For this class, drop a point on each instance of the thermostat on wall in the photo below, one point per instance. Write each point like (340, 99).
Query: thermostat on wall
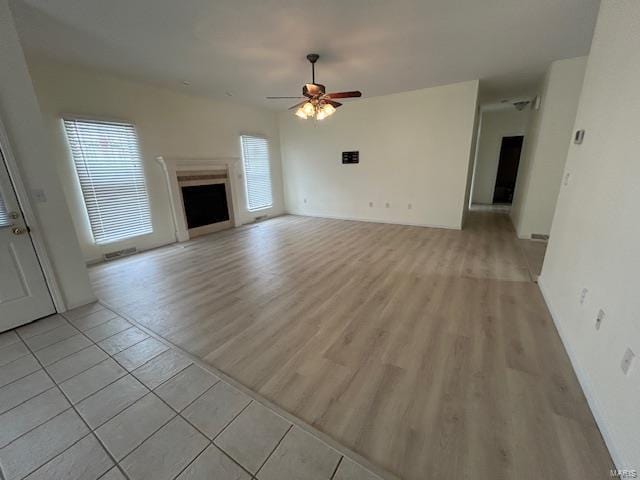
(351, 157)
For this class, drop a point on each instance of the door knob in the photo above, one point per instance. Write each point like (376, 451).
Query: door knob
(19, 230)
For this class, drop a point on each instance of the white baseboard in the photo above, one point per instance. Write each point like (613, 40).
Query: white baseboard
(372, 220)
(585, 382)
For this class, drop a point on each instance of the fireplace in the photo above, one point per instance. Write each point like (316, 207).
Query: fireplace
(205, 205)
(204, 201)
(202, 196)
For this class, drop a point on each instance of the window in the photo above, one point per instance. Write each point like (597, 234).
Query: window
(5, 221)
(111, 177)
(257, 172)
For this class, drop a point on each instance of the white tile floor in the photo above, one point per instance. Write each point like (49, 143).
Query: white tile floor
(92, 396)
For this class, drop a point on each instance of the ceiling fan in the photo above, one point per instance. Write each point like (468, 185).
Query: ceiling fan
(316, 102)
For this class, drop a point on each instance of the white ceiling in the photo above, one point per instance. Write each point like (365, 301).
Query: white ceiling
(255, 48)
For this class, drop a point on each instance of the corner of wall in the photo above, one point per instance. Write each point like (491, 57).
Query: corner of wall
(25, 128)
(583, 377)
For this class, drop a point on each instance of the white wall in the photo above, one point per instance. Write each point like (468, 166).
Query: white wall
(594, 238)
(414, 149)
(168, 123)
(545, 148)
(495, 125)
(23, 122)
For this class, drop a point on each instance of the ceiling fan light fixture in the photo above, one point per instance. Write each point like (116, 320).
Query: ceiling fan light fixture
(328, 109)
(324, 111)
(309, 109)
(318, 104)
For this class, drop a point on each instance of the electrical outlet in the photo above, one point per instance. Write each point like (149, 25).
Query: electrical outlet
(387, 205)
(583, 295)
(371, 204)
(409, 207)
(566, 179)
(627, 358)
(305, 200)
(599, 319)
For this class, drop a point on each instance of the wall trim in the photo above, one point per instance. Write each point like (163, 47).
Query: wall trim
(585, 382)
(370, 220)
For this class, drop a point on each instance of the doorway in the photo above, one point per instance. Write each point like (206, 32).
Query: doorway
(24, 295)
(508, 162)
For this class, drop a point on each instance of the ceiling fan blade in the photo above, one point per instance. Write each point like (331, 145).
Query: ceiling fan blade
(274, 98)
(312, 89)
(353, 94)
(297, 105)
(331, 102)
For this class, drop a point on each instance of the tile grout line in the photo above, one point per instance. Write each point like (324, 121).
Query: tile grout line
(24, 376)
(25, 401)
(34, 322)
(109, 336)
(119, 412)
(82, 371)
(15, 359)
(101, 388)
(174, 376)
(272, 451)
(71, 320)
(38, 425)
(173, 417)
(193, 459)
(335, 470)
(159, 385)
(64, 314)
(195, 399)
(232, 420)
(210, 441)
(120, 351)
(54, 343)
(81, 418)
(130, 371)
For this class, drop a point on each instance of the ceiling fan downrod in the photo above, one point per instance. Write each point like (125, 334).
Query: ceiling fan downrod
(313, 58)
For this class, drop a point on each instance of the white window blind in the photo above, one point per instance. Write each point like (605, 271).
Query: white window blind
(5, 221)
(111, 177)
(257, 172)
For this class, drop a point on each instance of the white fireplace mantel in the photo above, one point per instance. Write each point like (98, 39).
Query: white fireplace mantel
(172, 166)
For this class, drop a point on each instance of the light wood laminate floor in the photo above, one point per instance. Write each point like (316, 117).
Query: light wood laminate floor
(428, 351)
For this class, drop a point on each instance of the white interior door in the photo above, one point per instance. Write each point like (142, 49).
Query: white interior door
(24, 295)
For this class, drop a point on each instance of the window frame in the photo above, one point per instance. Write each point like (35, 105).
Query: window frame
(143, 176)
(244, 170)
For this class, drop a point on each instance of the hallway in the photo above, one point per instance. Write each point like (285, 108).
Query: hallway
(428, 351)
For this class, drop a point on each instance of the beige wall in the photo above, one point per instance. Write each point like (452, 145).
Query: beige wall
(595, 232)
(495, 124)
(169, 123)
(23, 122)
(545, 148)
(414, 149)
